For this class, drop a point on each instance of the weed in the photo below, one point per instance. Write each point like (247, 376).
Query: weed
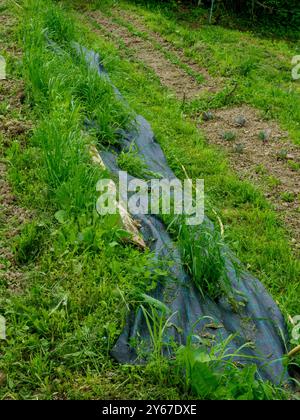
(58, 26)
(261, 169)
(295, 166)
(282, 154)
(240, 121)
(158, 321)
(131, 162)
(239, 148)
(288, 197)
(4, 107)
(207, 116)
(228, 136)
(264, 135)
(273, 182)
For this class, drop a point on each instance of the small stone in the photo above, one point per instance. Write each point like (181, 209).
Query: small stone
(240, 121)
(239, 148)
(208, 116)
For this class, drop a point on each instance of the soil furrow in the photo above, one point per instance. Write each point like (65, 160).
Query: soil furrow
(171, 76)
(212, 84)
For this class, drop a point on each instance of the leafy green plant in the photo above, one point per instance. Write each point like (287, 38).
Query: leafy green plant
(261, 169)
(228, 136)
(288, 196)
(295, 166)
(264, 135)
(273, 181)
(282, 154)
(214, 373)
(158, 320)
(131, 162)
(239, 148)
(28, 243)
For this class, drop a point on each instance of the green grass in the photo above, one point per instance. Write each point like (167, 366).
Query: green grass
(281, 24)
(80, 278)
(203, 254)
(132, 163)
(251, 226)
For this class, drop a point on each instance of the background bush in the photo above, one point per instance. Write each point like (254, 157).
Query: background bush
(282, 16)
(282, 12)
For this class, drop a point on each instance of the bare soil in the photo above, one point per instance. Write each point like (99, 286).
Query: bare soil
(171, 76)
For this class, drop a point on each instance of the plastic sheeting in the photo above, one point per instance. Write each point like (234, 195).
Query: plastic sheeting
(258, 321)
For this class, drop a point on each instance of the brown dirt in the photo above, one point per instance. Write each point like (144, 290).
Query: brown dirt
(170, 75)
(210, 83)
(271, 164)
(12, 91)
(13, 127)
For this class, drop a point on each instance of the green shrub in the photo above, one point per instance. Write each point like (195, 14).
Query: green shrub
(283, 15)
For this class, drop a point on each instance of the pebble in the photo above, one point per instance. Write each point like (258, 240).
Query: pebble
(240, 121)
(208, 116)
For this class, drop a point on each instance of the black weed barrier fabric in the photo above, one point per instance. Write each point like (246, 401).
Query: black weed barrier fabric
(258, 321)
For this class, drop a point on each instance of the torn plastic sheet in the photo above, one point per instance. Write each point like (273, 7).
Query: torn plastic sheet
(258, 319)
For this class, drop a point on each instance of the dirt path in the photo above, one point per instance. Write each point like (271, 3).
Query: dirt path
(172, 76)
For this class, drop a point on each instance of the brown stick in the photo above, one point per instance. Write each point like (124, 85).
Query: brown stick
(295, 351)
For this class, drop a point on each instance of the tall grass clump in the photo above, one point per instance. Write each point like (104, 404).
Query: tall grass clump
(52, 18)
(67, 93)
(216, 374)
(204, 255)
